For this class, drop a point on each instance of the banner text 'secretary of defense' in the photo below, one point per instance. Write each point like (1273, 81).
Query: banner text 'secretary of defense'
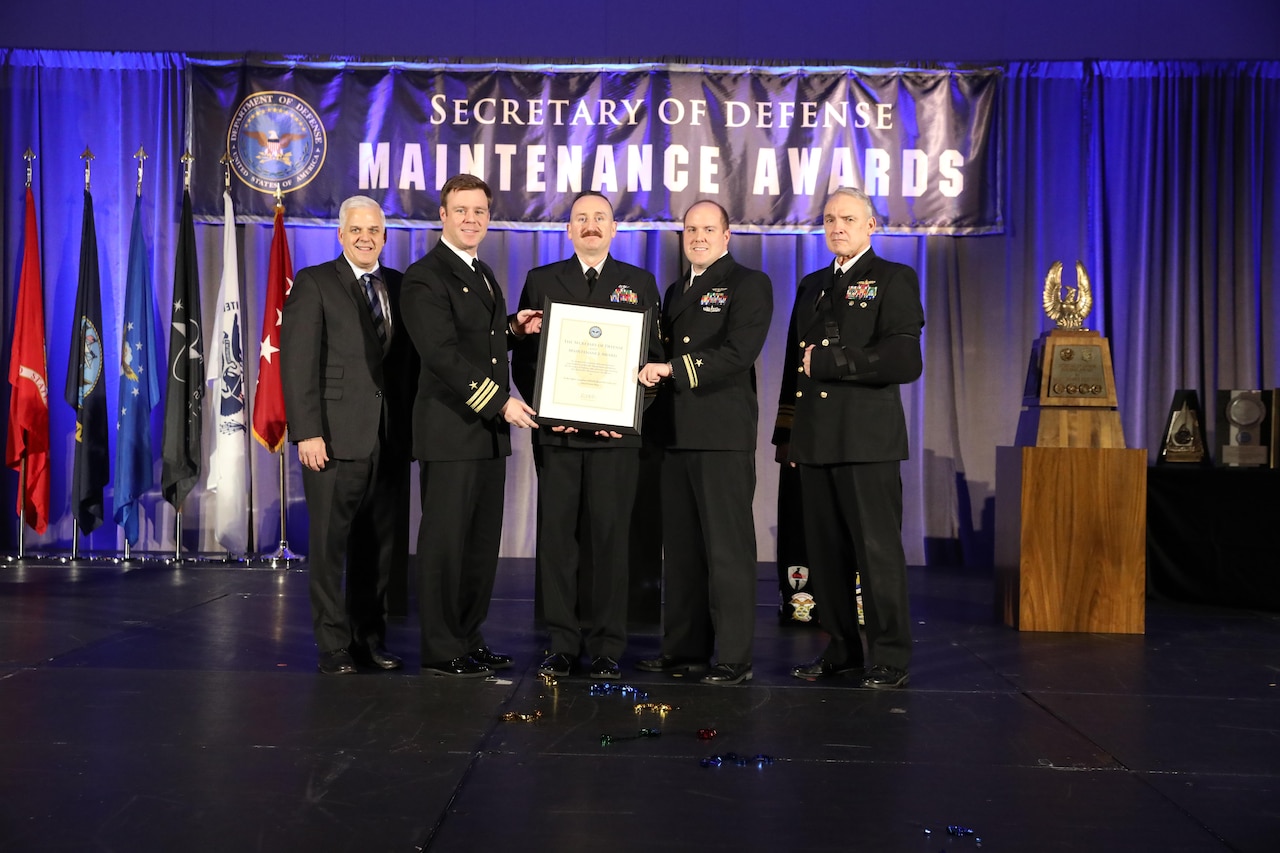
(769, 145)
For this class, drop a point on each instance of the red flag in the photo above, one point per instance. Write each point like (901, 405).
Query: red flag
(268, 396)
(28, 374)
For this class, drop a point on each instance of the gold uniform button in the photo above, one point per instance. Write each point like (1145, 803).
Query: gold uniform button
(494, 360)
(466, 290)
(826, 342)
(800, 369)
(802, 345)
(685, 339)
(799, 393)
(823, 395)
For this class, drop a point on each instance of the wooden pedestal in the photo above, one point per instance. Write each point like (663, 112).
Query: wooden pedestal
(1071, 539)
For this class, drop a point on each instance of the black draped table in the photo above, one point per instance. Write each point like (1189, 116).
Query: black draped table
(1213, 535)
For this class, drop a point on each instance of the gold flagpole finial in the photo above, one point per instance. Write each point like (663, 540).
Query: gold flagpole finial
(279, 194)
(141, 157)
(226, 172)
(88, 159)
(187, 160)
(29, 156)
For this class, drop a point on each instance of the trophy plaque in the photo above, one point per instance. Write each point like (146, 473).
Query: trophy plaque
(1070, 396)
(1183, 432)
(1070, 497)
(1244, 426)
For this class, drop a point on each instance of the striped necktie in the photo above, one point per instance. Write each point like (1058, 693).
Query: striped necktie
(375, 308)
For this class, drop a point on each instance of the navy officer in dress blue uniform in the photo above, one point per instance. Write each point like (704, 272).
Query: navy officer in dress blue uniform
(714, 321)
(587, 477)
(854, 338)
(456, 314)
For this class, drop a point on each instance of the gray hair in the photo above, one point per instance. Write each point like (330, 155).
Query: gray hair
(357, 201)
(855, 193)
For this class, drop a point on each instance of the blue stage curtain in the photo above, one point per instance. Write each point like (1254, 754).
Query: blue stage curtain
(1160, 177)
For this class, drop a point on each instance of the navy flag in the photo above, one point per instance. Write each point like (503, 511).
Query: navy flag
(184, 386)
(85, 390)
(139, 387)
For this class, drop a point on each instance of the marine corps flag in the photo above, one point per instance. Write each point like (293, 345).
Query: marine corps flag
(184, 386)
(28, 371)
(139, 387)
(268, 396)
(85, 391)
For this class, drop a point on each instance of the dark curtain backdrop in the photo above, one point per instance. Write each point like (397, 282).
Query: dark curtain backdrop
(1160, 177)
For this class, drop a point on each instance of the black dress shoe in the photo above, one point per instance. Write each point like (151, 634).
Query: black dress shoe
(557, 665)
(882, 677)
(383, 659)
(375, 654)
(463, 667)
(726, 674)
(605, 667)
(674, 666)
(819, 668)
(337, 663)
(490, 658)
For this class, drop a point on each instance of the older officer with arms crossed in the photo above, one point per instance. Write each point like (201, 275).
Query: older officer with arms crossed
(854, 337)
(343, 353)
(715, 321)
(456, 313)
(591, 473)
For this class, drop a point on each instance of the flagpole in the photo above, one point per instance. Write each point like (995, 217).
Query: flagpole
(22, 471)
(283, 555)
(22, 521)
(177, 511)
(88, 159)
(141, 157)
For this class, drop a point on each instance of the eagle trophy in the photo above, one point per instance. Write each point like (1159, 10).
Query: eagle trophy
(1068, 310)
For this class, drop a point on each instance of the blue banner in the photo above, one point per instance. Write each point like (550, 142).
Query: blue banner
(768, 144)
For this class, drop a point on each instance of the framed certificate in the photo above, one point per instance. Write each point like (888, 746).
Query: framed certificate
(588, 360)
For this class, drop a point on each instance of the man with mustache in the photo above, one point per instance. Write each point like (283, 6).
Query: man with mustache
(592, 476)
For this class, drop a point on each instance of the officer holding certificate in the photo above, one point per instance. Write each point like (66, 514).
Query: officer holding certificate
(587, 475)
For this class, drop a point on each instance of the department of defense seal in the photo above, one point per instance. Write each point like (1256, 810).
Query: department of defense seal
(276, 140)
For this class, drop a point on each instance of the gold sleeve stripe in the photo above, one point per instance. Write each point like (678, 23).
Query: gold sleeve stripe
(483, 395)
(786, 415)
(693, 374)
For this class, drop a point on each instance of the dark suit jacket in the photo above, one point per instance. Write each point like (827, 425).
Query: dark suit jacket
(866, 334)
(335, 377)
(563, 282)
(713, 334)
(462, 336)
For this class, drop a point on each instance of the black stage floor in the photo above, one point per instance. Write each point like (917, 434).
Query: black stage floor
(162, 709)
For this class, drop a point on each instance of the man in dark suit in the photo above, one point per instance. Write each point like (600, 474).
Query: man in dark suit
(585, 475)
(715, 322)
(344, 363)
(456, 313)
(854, 338)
